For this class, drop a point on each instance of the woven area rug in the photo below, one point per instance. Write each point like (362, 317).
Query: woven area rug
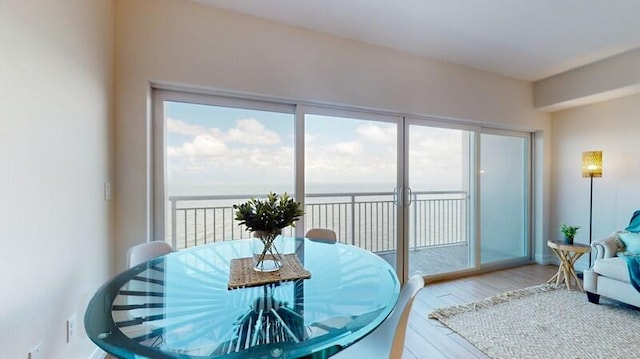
(546, 322)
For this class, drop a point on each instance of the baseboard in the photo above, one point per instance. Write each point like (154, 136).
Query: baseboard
(546, 259)
(98, 354)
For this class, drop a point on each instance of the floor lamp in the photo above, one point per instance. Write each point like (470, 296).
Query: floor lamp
(591, 167)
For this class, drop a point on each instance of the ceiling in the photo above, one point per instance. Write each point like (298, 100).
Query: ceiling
(524, 39)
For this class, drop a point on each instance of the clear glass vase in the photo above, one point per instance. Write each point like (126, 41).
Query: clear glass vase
(267, 251)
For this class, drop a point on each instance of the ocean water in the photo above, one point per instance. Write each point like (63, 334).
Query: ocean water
(264, 188)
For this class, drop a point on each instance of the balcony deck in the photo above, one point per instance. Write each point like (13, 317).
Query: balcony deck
(434, 260)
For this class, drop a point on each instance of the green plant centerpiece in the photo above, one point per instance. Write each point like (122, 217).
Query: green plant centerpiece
(569, 232)
(266, 219)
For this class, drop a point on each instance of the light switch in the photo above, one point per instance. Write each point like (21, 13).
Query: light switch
(107, 191)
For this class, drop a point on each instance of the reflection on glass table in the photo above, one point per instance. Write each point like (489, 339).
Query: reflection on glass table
(178, 305)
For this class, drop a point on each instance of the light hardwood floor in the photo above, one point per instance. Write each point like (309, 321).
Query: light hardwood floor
(427, 338)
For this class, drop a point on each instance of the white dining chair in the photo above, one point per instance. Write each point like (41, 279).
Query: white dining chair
(146, 251)
(322, 234)
(387, 340)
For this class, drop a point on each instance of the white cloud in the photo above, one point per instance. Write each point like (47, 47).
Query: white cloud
(240, 154)
(251, 131)
(347, 148)
(377, 134)
(181, 127)
(214, 142)
(240, 165)
(281, 158)
(366, 154)
(310, 138)
(204, 145)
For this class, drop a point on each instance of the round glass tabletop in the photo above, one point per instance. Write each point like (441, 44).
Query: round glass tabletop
(178, 305)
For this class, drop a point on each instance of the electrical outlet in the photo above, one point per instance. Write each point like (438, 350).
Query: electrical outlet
(72, 326)
(36, 352)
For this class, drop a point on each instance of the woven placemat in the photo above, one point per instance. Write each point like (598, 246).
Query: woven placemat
(243, 275)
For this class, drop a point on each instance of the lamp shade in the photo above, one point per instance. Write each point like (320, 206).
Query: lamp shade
(592, 164)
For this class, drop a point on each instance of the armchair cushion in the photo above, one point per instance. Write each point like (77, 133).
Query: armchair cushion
(614, 267)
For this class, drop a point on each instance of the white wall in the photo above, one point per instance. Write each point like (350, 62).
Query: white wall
(603, 80)
(613, 127)
(178, 42)
(56, 70)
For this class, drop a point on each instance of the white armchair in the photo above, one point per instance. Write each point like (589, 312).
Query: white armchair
(609, 275)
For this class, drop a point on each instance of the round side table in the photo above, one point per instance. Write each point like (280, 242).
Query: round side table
(568, 255)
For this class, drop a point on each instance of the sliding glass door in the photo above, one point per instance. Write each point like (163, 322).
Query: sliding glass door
(431, 197)
(351, 178)
(439, 164)
(504, 196)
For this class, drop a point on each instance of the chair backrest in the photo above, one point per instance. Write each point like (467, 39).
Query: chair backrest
(146, 251)
(397, 320)
(322, 234)
(387, 340)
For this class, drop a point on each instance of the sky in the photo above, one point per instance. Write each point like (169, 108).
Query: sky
(231, 150)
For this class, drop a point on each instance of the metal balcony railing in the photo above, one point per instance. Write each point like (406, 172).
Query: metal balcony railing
(366, 219)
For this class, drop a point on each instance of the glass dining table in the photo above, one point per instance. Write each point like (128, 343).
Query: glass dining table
(179, 305)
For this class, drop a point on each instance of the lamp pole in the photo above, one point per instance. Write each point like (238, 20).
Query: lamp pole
(590, 214)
